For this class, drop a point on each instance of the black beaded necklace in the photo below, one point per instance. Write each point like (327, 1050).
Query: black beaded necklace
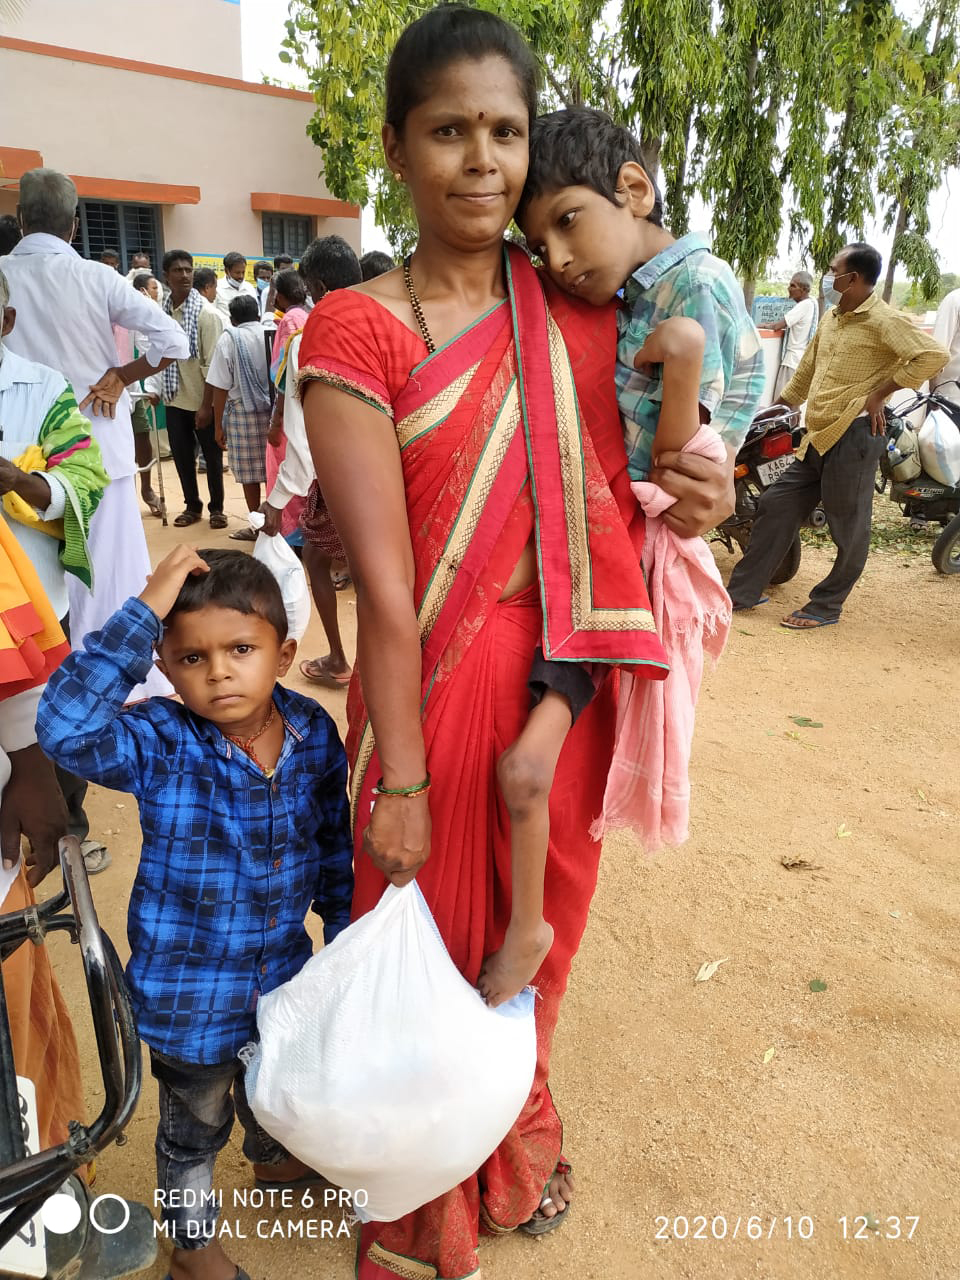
(417, 306)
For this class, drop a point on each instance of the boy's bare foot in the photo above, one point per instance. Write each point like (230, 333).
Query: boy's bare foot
(506, 972)
(208, 1263)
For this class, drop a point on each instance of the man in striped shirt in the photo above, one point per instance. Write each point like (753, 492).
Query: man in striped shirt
(862, 353)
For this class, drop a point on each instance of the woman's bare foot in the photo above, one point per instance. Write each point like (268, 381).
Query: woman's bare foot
(506, 972)
(559, 1193)
(208, 1263)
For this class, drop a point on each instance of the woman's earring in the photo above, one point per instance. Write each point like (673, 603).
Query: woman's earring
(398, 175)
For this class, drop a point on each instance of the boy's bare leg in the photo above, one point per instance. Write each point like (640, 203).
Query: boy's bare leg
(208, 1263)
(525, 773)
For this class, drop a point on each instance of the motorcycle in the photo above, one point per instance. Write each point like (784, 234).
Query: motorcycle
(765, 454)
(921, 498)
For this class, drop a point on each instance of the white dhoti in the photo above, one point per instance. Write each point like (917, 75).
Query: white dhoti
(118, 551)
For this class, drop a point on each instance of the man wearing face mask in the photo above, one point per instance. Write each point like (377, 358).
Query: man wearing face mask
(862, 352)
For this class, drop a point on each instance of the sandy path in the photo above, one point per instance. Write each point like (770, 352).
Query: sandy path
(669, 1107)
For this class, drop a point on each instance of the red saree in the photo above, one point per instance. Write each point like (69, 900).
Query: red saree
(507, 433)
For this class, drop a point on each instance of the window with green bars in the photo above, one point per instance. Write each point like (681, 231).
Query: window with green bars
(286, 233)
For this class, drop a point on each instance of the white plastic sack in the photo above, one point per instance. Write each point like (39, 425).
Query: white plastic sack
(280, 559)
(383, 1069)
(940, 448)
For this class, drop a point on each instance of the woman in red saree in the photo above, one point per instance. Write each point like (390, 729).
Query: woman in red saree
(463, 422)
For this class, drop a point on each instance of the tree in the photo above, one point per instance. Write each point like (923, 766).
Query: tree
(839, 102)
(922, 140)
(671, 44)
(739, 174)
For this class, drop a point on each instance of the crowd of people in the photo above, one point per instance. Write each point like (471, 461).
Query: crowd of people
(515, 466)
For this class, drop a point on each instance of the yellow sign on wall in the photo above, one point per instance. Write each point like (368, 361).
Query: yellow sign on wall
(215, 263)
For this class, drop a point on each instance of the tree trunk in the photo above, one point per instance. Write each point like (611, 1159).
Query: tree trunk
(749, 292)
(675, 185)
(650, 147)
(898, 231)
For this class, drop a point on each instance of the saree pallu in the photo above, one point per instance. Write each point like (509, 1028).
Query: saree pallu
(508, 434)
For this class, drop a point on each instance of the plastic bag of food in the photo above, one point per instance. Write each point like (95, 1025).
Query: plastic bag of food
(383, 1069)
(940, 448)
(279, 557)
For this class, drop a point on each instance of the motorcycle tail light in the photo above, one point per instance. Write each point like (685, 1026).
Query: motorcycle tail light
(741, 471)
(775, 446)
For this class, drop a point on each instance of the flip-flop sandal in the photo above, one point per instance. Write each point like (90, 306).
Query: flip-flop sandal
(745, 608)
(241, 1275)
(342, 582)
(96, 856)
(329, 679)
(186, 518)
(244, 535)
(539, 1224)
(814, 623)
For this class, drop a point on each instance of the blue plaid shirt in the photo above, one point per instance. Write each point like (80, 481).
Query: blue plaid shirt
(687, 280)
(231, 861)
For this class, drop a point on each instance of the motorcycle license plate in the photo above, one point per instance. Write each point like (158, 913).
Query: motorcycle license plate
(770, 471)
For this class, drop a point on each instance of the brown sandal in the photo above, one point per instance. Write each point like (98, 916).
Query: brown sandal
(187, 518)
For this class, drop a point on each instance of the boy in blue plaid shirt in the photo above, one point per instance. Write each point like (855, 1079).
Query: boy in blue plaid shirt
(688, 355)
(243, 806)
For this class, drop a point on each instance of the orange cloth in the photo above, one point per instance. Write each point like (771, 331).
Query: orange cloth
(32, 643)
(44, 1046)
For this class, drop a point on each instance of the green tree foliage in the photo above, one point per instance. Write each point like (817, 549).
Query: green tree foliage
(803, 110)
(922, 139)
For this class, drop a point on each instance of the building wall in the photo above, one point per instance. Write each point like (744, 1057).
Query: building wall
(104, 122)
(201, 35)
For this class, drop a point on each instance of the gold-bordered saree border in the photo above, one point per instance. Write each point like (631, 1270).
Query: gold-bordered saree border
(551, 418)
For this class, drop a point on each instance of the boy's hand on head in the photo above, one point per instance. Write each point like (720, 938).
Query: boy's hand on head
(163, 585)
(678, 338)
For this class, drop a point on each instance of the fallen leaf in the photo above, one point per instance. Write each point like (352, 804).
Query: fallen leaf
(921, 795)
(708, 969)
(870, 1222)
(895, 914)
(799, 864)
(768, 1055)
(843, 831)
(795, 737)
(741, 632)
(805, 722)
(817, 984)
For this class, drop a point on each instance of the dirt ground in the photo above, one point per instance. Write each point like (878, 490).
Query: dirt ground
(822, 1121)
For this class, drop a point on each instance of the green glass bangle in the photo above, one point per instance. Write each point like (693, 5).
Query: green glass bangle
(416, 790)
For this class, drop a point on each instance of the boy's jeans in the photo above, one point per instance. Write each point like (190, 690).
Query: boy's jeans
(196, 1118)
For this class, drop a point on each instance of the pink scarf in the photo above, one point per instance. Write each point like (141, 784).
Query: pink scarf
(648, 787)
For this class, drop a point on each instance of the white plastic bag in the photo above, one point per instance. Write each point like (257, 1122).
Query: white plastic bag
(940, 448)
(279, 558)
(380, 1067)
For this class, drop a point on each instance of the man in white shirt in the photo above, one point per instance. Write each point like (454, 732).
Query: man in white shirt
(232, 284)
(798, 326)
(66, 310)
(946, 331)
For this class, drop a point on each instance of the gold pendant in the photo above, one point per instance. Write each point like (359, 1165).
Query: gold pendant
(268, 773)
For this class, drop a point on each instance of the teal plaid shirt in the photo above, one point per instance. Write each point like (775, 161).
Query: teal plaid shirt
(687, 280)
